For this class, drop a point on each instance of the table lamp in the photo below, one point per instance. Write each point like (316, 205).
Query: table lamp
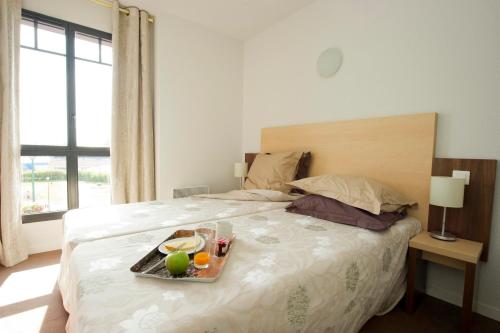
(447, 192)
(240, 171)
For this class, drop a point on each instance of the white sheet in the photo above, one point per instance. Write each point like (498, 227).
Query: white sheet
(287, 273)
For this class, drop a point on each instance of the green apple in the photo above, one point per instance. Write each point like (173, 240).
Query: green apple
(177, 262)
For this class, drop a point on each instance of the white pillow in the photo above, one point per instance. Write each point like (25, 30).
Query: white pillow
(355, 191)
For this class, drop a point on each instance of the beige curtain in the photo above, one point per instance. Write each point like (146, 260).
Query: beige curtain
(12, 246)
(132, 144)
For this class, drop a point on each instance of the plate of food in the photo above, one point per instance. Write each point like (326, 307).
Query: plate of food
(186, 244)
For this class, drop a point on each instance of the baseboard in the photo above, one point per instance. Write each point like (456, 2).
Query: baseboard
(456, 298)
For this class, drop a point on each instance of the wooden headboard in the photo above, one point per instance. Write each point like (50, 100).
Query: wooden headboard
(397, 151)
(473, 220)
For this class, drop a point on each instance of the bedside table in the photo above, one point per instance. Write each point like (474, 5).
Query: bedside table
(461, 254)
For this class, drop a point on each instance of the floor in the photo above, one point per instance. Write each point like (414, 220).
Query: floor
(29, 296)
(30, 302)
(432, 316)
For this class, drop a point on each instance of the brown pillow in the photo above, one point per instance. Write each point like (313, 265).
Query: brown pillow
(273, 171)
(303, 167)
(333, 210)
(355, 191)
(302, 170)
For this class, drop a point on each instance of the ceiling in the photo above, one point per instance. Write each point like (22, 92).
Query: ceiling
(240, 19)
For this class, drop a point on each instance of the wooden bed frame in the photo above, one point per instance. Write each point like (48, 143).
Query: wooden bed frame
(397, 151)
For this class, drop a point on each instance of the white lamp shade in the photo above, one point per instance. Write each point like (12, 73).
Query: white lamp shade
(240, 170)
(447, 192)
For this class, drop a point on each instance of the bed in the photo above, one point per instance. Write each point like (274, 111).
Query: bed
(91, 224)
(287, 273)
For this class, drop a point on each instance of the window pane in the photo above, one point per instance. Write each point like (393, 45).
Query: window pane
(43, 102)
(51, 38)
(27, 33)
(86, 47)
(106, 52)
(93, 181)
(93, 104)
(44, 184)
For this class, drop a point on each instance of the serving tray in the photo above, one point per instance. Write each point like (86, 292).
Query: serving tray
(146, 266)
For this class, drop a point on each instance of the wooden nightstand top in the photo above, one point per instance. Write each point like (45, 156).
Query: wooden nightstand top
(461, 249)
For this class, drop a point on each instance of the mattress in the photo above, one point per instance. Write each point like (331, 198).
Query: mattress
(287, 273)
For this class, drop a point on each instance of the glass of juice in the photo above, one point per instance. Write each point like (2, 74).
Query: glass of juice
(202, 258)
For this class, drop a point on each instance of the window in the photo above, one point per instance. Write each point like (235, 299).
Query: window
(65, 116)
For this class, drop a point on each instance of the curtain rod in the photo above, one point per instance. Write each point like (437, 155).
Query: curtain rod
(108, 4)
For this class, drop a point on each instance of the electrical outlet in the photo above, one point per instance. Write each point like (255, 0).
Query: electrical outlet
(462, 174)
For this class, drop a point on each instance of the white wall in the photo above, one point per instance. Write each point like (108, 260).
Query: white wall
(43, 236)
(199, 77)
(400, 57)
(199, 103)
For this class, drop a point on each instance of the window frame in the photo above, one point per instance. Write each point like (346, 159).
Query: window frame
(71, 151)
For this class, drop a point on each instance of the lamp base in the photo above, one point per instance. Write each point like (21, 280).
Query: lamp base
(446, 236)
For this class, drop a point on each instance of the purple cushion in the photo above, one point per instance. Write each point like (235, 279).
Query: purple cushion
(333, 210)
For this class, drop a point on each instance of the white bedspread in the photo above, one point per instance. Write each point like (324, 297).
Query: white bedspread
(287, 273)
(90, 224)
